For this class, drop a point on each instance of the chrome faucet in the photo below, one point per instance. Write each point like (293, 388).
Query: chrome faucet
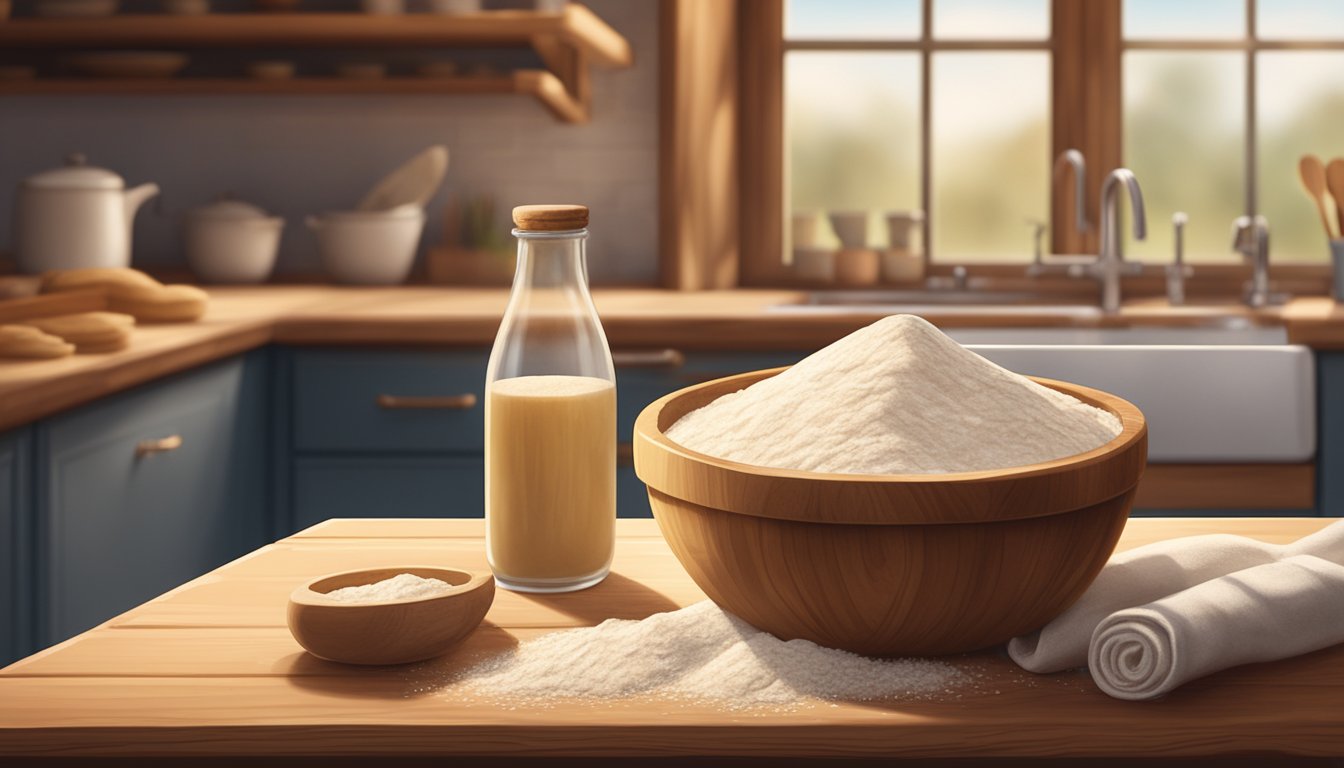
(1250, 238)
(1109, 263)
(1110, 259)
(1072, 158)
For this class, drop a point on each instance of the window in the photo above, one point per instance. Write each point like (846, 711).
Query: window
(956, 108)
(1221, 98)
(900, 106)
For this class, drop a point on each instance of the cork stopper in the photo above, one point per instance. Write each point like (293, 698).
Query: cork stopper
(550, 218)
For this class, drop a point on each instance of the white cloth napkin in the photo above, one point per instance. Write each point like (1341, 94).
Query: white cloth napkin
(1264, 613)
(1150, 573)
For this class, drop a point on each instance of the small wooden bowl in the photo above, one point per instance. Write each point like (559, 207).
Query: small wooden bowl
(391, 631)
(890, 565)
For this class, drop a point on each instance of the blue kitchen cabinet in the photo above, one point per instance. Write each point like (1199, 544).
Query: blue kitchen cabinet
(1330, 433)
(400, 432)
(16, 625)
(379, 433)
(636, 387)
(145, 490)
(389, 486)
(378, 401)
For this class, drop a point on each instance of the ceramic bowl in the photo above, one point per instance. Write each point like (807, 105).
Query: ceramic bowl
(890, 565)
(368, 247)
(227, 247)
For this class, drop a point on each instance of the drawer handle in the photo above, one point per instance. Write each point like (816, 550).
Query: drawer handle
(625, 454)
(433, 403)
(655, 358)
(162, 445)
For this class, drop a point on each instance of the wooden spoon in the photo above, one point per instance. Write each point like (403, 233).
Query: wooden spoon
(1312, 173)
(1334, 181)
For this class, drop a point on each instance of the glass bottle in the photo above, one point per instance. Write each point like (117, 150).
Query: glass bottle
(550, 416)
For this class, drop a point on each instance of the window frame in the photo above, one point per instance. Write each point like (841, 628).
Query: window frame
(1087, 49)
(1249, 45)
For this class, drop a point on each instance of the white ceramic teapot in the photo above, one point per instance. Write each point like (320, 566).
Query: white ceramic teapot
(75, 216)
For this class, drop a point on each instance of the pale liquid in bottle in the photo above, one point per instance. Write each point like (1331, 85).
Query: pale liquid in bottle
(550, 483)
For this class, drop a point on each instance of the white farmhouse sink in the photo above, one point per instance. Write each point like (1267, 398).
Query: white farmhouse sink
(1209, 394)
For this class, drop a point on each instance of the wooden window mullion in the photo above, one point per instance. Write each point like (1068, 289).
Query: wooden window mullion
(1085, 108)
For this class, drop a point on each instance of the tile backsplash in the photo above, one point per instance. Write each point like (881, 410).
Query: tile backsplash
(295, 155)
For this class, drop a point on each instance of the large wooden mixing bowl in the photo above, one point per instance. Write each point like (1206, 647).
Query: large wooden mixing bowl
(890, 565)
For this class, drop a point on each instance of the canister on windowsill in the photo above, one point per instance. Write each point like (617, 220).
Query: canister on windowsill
(903, 261)
(902, 266)
(857, 267)
(1337, 260)
(814, 265)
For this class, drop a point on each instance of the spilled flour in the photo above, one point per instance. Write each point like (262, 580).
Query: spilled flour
(898, 396)
(699, 654)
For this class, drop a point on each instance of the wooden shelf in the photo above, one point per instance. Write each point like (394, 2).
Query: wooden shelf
(576, 26)
(539, 83)
(567, 42)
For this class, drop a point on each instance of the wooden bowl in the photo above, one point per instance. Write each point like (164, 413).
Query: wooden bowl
(889, 565)
(391, 631)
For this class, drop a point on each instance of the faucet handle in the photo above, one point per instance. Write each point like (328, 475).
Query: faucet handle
(1038, 236)
(1178, 221)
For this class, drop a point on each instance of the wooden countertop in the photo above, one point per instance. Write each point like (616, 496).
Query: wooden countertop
(210, 669)
(240, 319)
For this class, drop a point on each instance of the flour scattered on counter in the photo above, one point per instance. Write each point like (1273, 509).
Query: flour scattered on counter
(699, 653)
(399, 587)
(898, 396)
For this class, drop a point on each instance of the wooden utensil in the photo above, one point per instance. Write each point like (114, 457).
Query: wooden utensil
(890, 564)
(1312, 173)
(1334, 181)
(390, 631)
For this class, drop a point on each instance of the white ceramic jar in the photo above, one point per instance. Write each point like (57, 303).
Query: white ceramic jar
(75, 216)
(230, 241)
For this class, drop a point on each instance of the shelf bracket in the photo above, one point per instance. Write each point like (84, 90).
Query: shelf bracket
(570, 66)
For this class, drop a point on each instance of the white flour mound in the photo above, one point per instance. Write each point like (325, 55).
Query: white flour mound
(896, 397)
(699, 653)
(399, 587)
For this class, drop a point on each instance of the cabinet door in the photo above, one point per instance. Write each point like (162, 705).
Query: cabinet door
(146, 490)
(387, 486)
(16, 625)
(1330, 434)
(365, 401)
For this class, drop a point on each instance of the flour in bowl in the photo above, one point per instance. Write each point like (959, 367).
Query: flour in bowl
(699, 653)
(898, 396)
(399, 587)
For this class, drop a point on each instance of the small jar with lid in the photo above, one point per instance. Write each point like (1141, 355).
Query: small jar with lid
(550, 416)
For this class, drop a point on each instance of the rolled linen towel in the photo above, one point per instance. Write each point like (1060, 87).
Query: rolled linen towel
(1152, 572)
(1268, 612)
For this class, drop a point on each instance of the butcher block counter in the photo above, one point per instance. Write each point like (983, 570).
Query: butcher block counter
(240, 319)
(209, 669)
